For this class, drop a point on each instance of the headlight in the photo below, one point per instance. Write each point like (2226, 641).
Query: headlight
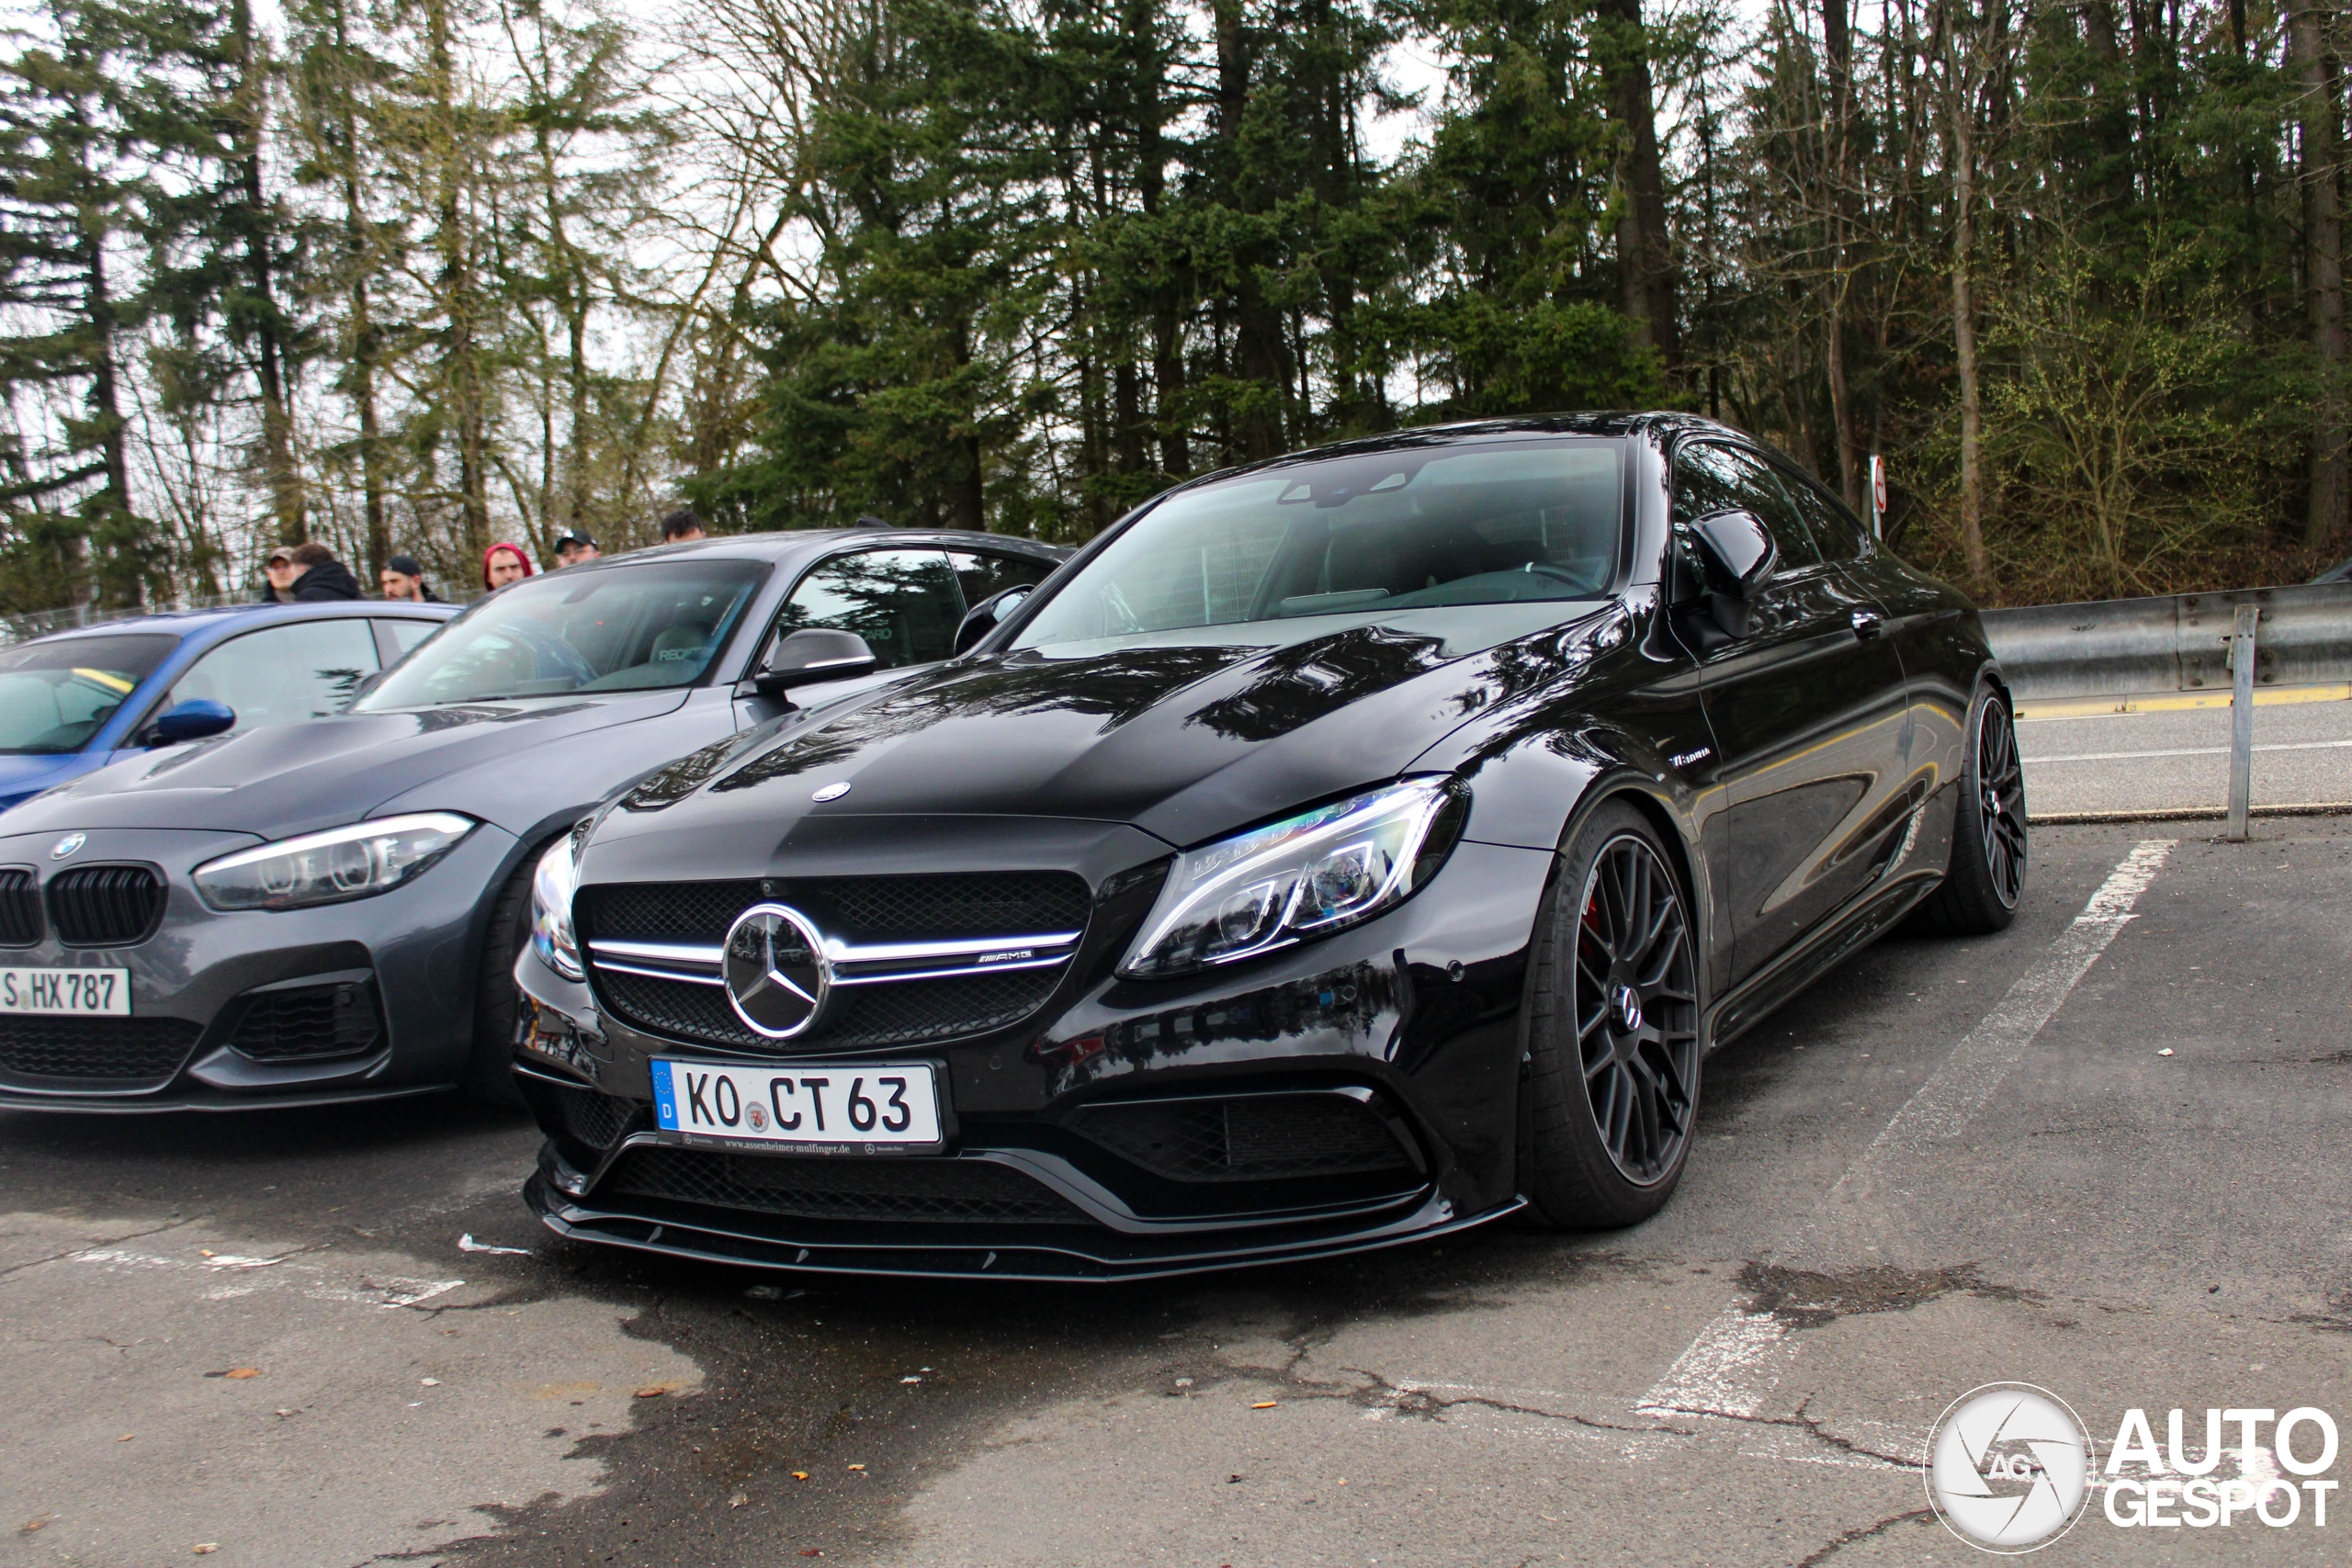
(1318, 871)
(551, 888)
(341, 863)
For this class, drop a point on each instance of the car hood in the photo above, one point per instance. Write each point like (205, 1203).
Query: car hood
(1184, 736)
(295, 778)
(22, 774)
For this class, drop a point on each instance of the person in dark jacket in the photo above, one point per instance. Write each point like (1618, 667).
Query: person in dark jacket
(322, 576)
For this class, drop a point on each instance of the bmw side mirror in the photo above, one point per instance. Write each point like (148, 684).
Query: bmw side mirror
(1737, 556)
(811, 655)
(987, 616)
(191, 720)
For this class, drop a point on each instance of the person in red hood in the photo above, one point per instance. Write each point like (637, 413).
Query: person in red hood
(504, 563)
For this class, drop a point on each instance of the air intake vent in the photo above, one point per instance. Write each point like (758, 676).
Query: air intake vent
(920, 1191)
(105, 905)
(19, 907)
(309, 1023)
(1248, 1137)
(115, 1050)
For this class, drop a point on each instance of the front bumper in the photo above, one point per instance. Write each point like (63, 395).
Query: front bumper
(1413, 1020)
(372, 999)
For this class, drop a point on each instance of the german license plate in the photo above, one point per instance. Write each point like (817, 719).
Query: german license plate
(101, 993)
(819, 1108)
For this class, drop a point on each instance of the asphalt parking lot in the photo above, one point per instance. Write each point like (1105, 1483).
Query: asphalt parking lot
(2098, 1154)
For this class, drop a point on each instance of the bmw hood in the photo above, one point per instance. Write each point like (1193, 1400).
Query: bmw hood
(1182, 735)
(293, 778)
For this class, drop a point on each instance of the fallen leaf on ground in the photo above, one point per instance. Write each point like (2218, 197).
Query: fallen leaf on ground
(430, 1383)
(799, 1475)
(126, 1436)
(206, 1548)
(36, 1522)
(237, 1373)
(207, 1252)
(655, 1390)
(1264, 1404)
(910, 1380)
(857, 1467)
(2165, 1052)
(810, 1551)
(738, 1500)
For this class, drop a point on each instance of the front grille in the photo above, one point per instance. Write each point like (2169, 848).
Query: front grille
(126, 1049)
(309, 1023)
(856, 909)
(917, 1189)
(20, 923)
(911, 1012)
(1247, 1138)
(587, 1117)
(105, 905)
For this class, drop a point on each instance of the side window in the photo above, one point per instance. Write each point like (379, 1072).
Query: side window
(284, 674)
(1709, 477)
(406, 634)
(982, 573)
(1840, 534)
(905, 604)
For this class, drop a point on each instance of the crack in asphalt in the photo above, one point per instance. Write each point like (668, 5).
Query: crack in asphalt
(16, 1269)
(1863, 1533)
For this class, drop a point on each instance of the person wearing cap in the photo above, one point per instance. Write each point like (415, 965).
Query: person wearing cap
(680, 527)
(504, 563)
(278, 572)
(572, 547)
(403, 578)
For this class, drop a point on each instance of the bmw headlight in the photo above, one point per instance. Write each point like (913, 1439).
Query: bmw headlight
(552, 884)
(1321, 871)
(333, 867)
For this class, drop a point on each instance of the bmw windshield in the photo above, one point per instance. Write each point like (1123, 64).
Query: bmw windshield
(619, 628)
(1409, 529)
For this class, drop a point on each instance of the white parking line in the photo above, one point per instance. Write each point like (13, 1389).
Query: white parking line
(1734, 1363)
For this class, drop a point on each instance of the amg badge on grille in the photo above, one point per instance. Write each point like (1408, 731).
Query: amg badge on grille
(775, 970)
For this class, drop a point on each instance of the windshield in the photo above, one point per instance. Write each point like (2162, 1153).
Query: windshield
(623, 629)
(55, 695)
(1407, 530)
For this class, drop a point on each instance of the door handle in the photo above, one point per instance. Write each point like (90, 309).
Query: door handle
(1868, 624)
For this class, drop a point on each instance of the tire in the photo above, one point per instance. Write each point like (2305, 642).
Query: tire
(1985, 877)
(487, 1076)
(1611, 1094)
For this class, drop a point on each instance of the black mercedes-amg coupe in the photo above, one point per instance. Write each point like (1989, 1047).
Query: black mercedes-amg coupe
(1338, 851)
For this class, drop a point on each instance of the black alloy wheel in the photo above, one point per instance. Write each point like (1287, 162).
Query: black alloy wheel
(2000, 801)
(1614, 1073)
(1985, 877)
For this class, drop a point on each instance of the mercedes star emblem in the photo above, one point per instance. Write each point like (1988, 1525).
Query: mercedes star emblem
(775, 970)
(830, 791)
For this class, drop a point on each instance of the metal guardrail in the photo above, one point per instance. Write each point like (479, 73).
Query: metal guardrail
(2179, 643)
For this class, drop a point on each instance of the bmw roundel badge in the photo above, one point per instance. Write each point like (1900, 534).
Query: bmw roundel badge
(67, 845)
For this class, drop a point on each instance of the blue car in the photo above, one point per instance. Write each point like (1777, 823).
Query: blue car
(72, 703)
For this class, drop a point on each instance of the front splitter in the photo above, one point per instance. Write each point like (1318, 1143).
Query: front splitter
(1005, 1258)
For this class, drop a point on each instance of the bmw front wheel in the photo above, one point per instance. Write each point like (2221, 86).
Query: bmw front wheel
(1613, 1070)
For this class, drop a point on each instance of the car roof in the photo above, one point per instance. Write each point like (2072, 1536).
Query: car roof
(184, 624)
(785, 544)
(1659, 424)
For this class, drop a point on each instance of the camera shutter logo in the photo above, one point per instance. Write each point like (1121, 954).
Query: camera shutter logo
(2009, 1467)
(776, 971)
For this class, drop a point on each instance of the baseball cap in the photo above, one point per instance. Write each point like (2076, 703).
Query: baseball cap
(578, 539)
(407, 566)
(282, 553)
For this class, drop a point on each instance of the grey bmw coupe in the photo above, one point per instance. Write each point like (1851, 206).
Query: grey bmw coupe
(331, 910)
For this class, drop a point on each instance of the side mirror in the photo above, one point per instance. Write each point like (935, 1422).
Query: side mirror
(192, 720)
(810, 655)
(1737, 556)
(988, 615)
